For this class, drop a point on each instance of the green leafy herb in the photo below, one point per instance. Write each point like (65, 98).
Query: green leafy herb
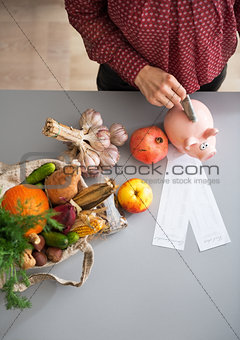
(53, 224)
(12, 245)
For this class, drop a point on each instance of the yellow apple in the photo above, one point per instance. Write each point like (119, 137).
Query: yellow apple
(135, 195)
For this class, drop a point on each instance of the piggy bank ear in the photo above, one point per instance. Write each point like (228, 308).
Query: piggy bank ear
(188, 142)
(210, 132)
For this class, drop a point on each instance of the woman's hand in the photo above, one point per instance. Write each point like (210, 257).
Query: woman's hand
(159, 87)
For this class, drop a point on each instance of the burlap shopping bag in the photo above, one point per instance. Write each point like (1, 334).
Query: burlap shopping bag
(11, 175)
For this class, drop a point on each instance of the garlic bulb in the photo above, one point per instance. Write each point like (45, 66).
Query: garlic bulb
(90, 118)
(89, 161)
(98, 137)
(91, 158)
(118, 134)
(94, 146)
(109, 156)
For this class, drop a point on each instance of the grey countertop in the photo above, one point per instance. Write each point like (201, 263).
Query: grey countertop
(135, 290)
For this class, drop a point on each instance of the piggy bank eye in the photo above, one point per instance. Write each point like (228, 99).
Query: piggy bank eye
(203, 146)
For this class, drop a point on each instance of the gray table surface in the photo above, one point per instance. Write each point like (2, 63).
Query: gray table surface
(135, 290)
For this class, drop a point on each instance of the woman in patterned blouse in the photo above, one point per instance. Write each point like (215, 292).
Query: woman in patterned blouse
(164, 48)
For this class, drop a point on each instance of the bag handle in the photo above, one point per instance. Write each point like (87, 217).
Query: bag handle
(88, 261)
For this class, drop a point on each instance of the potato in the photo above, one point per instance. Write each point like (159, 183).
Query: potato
(54, 254)
(40, 246)
(40, 257)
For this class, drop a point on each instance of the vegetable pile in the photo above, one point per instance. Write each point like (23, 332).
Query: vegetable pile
(32, 234)
(14, 247)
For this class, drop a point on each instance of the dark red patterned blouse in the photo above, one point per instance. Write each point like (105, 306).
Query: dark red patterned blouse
(190, 39)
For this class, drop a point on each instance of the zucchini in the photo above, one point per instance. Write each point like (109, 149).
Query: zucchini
(41, 173)
(55, 239)
(72, 237)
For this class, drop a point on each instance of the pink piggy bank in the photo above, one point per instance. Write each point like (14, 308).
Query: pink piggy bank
(197, 139)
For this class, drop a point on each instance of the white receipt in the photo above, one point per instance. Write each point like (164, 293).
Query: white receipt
(205, 218)
(185, 200)
(172, 218)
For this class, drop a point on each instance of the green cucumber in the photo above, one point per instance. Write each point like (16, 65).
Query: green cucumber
(72, 237)
(55, 239)
(40, 185)
(41, 173)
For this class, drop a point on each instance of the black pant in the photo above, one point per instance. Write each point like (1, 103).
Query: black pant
(109, 80)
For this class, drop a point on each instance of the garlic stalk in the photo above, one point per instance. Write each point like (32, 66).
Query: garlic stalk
(69, 155)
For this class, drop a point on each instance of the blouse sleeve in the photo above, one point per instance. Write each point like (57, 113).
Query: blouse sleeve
(237, 14)
(103, 41)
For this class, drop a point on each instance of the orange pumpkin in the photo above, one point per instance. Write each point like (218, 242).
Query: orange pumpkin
(33, 200)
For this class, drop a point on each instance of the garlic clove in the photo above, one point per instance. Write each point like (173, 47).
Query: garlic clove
(90, 118)
(110, 156)
(118, 134)
(98, 137)
(93, 158)
(89, 161)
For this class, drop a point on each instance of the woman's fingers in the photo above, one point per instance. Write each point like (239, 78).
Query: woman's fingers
(179, 90)
(173, 97)
(169, 104)
(162, 100)
(159, 87)
(171, 92)
(168, 97)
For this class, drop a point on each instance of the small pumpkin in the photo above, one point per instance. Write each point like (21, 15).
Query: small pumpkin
(33, 201)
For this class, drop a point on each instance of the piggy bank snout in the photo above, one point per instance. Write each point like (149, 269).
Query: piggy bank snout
(202, 150)
(207, 149)
(207, 155)
(211, 154)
